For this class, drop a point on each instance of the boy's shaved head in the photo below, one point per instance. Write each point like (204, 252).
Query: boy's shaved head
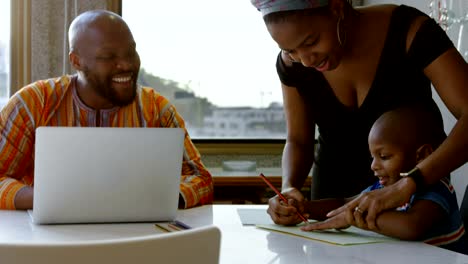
(410, 127)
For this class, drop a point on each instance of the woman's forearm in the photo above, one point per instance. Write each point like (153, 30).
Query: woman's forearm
(450, 155)
(296, 163)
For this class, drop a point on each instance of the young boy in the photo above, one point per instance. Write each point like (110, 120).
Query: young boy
(398, 141)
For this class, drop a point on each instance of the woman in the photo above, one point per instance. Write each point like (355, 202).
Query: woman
(340, 69)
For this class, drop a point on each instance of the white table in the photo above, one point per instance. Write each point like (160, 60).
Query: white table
(239, 244)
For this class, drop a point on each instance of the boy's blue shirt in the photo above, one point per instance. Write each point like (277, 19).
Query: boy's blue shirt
(450, 233)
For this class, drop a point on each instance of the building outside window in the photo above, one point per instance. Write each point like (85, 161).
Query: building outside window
(215, 61)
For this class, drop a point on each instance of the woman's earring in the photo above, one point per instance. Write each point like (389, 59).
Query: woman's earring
(338, 31)
(288, 56)
(291, 59)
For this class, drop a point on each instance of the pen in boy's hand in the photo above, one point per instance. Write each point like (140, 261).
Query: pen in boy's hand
(281, 196)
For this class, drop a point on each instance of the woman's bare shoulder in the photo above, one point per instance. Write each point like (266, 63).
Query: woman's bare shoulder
(377, 8)
(373, 24)
(378, 12)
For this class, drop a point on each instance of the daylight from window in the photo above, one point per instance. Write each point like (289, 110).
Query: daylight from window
(215, 60)
(4, 50)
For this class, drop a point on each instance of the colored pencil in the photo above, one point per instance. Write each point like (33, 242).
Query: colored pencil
(281, 196)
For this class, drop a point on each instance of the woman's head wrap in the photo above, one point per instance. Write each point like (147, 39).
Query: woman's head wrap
(271, 6)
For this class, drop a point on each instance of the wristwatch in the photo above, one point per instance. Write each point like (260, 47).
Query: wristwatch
(417, 176)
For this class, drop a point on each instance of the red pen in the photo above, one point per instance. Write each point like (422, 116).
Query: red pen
(281, 196)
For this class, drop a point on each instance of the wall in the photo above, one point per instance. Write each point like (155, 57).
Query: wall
(460, 176)
(48, 24)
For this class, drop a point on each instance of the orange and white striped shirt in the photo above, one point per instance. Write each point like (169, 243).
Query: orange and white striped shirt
(55, 102)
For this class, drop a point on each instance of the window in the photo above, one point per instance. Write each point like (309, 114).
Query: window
(4, 51)
(215, 61)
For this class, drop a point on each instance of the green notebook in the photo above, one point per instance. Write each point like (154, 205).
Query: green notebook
(344, 237)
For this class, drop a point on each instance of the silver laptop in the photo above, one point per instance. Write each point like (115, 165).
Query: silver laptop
(102, 175)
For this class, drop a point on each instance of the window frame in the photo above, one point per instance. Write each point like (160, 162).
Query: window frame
(20, 44)
(240, 146)
(227, 146)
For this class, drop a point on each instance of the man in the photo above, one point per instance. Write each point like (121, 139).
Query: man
(102, 93)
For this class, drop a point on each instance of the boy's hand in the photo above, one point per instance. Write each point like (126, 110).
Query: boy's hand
(339, 221)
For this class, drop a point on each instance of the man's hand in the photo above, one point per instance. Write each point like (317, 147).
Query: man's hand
(286, 214)
(24, 198)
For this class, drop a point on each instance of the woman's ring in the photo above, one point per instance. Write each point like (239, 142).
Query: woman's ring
(357, 209)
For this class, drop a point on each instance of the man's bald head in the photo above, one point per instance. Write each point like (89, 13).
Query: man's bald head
(92, 20)
(103, 52)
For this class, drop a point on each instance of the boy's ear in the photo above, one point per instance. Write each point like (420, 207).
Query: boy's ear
(74, 60)
(423, 151)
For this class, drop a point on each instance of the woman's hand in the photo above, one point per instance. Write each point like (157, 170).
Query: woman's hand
(286, 214)
(370, 204)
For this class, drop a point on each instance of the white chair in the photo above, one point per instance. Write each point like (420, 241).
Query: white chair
(198, 245)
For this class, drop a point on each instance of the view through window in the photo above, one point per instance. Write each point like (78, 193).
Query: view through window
(215, 61)
(4, 50)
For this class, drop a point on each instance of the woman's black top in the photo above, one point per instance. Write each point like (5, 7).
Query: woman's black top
(342, 158)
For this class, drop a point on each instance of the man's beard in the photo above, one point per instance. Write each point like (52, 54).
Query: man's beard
(104, 89)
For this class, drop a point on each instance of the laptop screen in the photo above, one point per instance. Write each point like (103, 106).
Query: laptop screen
(90, 175)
